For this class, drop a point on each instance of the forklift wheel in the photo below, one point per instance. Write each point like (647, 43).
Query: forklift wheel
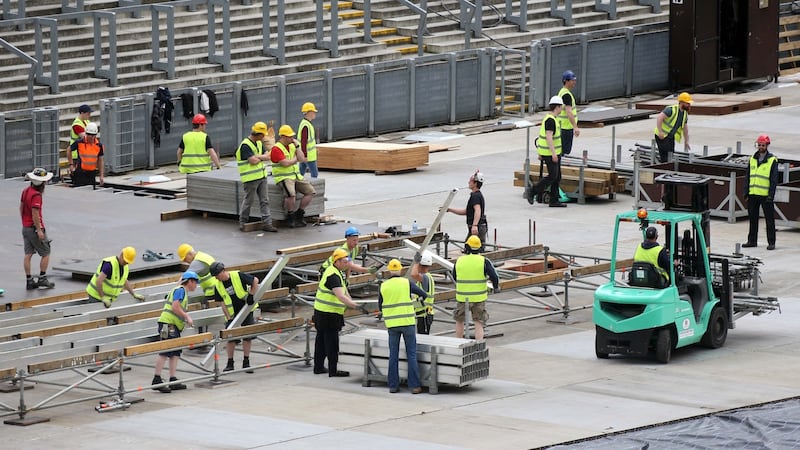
(717, 331)
(545, 198)
(599, 353)
(664, 346)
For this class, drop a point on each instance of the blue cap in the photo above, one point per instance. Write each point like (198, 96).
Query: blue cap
(568, 75)
(189, 275)
(352, 231)
(84, 109)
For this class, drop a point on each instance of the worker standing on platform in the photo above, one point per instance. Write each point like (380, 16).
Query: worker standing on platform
(671, 125)
(235, 291)
(331, 301)
(424, 309)
(34, 236)
(111, 277)
(250, 157)
(350, 245)
(568, 117)
(477, 225)
(89, 163)
(286, 172)
(760, 183)
(470, 273)
(548, 145)
(195, 152)
(308, 139)
(174, 317)
(398, 315)
(77, 131)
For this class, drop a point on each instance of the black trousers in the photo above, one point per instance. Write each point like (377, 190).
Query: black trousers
(424, 324)
(665, 147)
(754, 202)
(552, 180)
(326, 344)
(84, 178)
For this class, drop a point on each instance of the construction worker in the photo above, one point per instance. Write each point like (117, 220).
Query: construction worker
(235, 291)
(568, 117)
(671, 125)
(199, 263)
(332, 299)
(308, 139)
(286, 172)
(350, 245)
(77, 131)
(548, 145)
(760, 183)
(34, 235)
(650, 251)
(111, 277)
(174, 317)
(250, 158)
(89, 163)
(475, 212)
(470, 273)
(420, 273)
(397, 309)
(195, 152)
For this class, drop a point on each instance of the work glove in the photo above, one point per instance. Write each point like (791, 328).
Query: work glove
(250, 299)
(364, 309)
(373, 270)
(429, 310)
(107, 303)
(139, 297)
(417, 257)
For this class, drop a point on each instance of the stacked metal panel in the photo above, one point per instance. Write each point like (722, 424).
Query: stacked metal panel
(459, 362)
(220, 191)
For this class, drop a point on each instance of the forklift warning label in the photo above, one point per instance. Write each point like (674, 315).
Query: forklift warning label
(687, 331)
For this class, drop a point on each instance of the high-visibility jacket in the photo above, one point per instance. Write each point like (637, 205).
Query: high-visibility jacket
(248, 171)
(74, 136)
(311, 144)
(195, 157)
(650, 255)
(168, 315)
(563, 119)
(279, 172)
(759, 176)
(397, 307)
(239, 290)
(113, 285)
(353, 255)
(207, 282)
(88, 154)
(670, 122)
(421, 310)
(541, 143)
(326, 300)
(471, 279)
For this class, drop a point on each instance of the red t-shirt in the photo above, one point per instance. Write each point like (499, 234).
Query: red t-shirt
(276, 155)
(31, 198)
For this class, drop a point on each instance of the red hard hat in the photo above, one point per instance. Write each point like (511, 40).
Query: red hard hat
(763, 139)
(199, 119)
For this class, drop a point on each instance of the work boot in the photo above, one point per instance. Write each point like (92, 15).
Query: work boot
(174, 385)
(229, 366)
(241, 227)
(163, 389)
(246, 364)
(30, 284)
(269, 227)
(749, 244)
(45, 283)
(299, 218)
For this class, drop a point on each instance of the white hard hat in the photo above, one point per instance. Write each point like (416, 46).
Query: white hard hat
(556, 100)
(426, 259)
(478, 176)
(91, 128)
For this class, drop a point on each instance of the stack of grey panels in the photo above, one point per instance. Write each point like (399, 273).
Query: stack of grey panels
(220, 191)
(460, 362)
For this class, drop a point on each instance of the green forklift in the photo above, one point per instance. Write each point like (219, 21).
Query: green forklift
(639, 312)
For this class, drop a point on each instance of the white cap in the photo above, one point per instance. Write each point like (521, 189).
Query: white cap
(556, 100)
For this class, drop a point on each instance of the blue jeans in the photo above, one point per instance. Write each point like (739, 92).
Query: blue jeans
(312, 167)
(409, 334)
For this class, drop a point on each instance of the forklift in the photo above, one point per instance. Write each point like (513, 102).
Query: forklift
(639, 313)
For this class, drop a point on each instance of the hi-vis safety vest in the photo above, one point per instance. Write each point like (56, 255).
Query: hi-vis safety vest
(759, 176)
(541, 143)
(397, 307)
(74, 136)
(326, 300)
(195, 156)
(311, 144)
(113, 285)
(471, 279)
(239, 290)
(650, 255)
(563, 119)
(279, 172)
(247, 171)
(353, 255)
(421, 310)
(669, 123)
(168, 315)
(207, 282)
(88, 154)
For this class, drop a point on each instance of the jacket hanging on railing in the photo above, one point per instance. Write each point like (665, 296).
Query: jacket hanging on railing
(155, 123)
(164, 99)
(188, 107)
(244, 105)
(208, 102)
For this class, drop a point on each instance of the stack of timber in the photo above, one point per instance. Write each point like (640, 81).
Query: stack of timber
(789, 44)
(220, 191)
(717, 105)
(380, 158)
(596, 182)
(460, 362)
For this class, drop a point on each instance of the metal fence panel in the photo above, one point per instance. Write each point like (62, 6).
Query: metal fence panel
(606, 68)
(350, 103)
(307, 91)
(45, 139)
(650, 62)
(564, 57)
(392, 100)
(432, 96)
(19, 146)
(167, 152)
(220, 126)
(468, 86)
(264, 106)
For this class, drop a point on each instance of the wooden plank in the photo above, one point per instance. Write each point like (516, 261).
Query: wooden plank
(333, 243)
(9, 373)
(169, 344)
(261, 328)
(532, 265)
(63, 329)
(712, 104)
(97, 358)
(371, 156)
(178, 214)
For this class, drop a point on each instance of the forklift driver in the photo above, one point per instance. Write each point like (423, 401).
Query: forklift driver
(649, 251)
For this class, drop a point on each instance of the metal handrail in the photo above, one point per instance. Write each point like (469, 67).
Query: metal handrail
(32, 61)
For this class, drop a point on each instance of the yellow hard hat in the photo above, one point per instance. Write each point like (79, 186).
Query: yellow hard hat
(308, 106)
(184, 250)
(474, 242)
(685, 97)
(338, 254)
(259, 128)
(395, 265)
(129, 255)
(286, 130)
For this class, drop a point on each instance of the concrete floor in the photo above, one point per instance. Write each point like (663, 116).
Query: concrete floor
(545, 384)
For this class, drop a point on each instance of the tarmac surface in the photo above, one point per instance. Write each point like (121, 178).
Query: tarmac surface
(545, 386)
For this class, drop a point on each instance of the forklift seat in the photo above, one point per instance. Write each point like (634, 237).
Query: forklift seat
(644, 274)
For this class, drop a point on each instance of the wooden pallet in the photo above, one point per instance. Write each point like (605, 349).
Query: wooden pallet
(789, 44)
(717, 105)
(596, 182)
(372, 156)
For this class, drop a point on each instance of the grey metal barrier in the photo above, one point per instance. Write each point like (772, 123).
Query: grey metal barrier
(28, 139)
(33, 62)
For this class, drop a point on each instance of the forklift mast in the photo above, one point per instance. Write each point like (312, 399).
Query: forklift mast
(683, 192)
